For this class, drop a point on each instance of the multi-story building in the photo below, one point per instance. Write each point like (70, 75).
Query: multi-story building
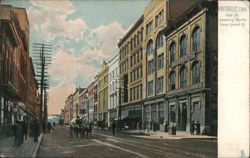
(102, 107)
(131, 74)
(142, 60)
(192, 53)
(76, 100)
(32, 90)
(83, 103)
(155, 20)
(90, 102)
(14, 61)
(95, 99)
(68, 116)
(113, 92)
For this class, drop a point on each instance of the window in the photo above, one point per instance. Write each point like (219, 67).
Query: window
(172, 80)
(150, 47)
(160, 62)
(150, 88)
(172, 52)
(196, 39)
(138, 37)
(141, 71)
(138, 73)
(196, 72)
(159, 19)
(159, 85)
(131, 44)
(183, 79)
(150, 66)
(134, 41)
(136, 93)
(131, 94)
(141, 34)
(149, 28)
(161, 112)
(183, 45)
(141, 54)
(159, 40)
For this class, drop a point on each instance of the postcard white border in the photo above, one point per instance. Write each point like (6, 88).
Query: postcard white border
(233, 92)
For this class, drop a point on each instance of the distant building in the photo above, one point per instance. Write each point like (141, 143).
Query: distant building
(113, 89)
(90, 102)
(76, 100)
(68, 116)
(95, 98)
(102, 106)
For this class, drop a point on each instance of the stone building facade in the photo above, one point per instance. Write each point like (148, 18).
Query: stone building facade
(113, 89)
(192, 53)
(131, 74)
(102, 106)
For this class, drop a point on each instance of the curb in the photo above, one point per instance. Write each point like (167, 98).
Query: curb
(137, 133)
(37, 147)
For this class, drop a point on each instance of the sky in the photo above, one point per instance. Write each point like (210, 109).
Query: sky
(83, 33)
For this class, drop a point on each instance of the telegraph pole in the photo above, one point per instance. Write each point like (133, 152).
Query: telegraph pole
(42, 56)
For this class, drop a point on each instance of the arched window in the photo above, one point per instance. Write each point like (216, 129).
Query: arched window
(196, 39)
(183, 45)
(196, 72)
(183, 76)
(159, 40)
(172, 80)
(150, 47)
(172, 49)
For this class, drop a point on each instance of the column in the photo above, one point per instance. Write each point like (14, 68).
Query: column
(188, 113)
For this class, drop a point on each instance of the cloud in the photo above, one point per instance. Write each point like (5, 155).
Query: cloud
(68, 66)
(51, 18)
(104, 40)
(58, 95)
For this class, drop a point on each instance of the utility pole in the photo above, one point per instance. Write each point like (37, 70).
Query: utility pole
(42, 56)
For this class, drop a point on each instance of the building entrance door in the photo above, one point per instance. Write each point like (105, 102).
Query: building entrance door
(184, 117)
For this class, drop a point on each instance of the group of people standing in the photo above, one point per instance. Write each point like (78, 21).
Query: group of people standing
(195, 127)
(20, 131)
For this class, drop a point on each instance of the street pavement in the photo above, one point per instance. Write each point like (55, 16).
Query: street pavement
(29, 148)
(103, 144)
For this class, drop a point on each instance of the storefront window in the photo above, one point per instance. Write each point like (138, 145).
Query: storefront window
(196, 112)
(161, 113)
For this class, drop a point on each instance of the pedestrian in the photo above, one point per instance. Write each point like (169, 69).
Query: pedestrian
(113, 127)
(192, 128)
(154, 126)
(49, 127)
(14, 128)
(19, 133)
(90, 129)
(198, 129)
(71, 130)
(25, 130)
(35, 130)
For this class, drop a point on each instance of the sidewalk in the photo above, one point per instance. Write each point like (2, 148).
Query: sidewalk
(163, 135)
(29, 148)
